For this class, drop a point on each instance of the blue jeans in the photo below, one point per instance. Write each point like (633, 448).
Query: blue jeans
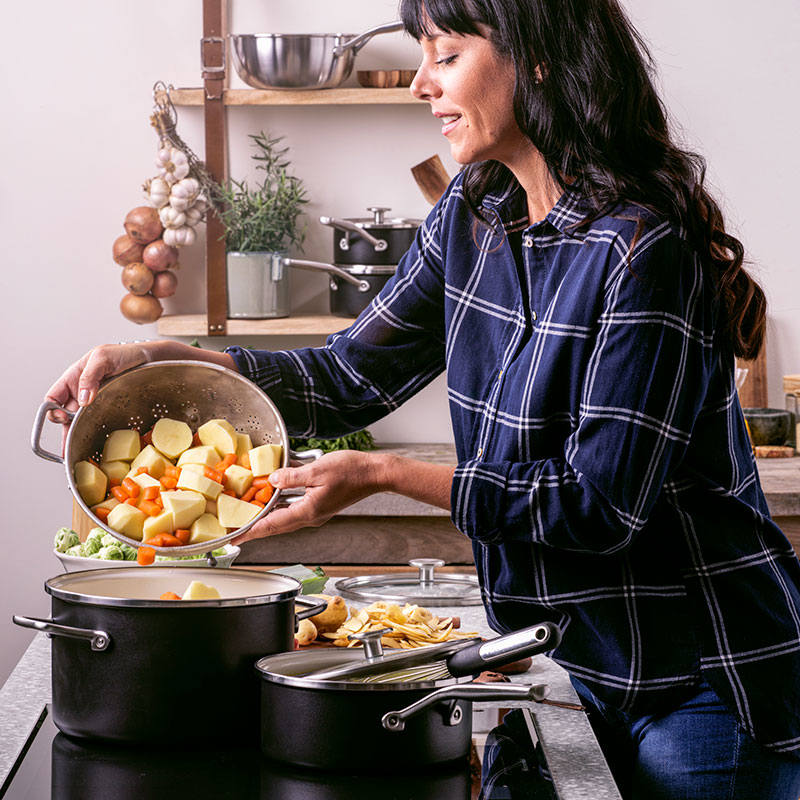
(696, 751)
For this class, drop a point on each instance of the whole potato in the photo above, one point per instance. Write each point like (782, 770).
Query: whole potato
(306, 632)
(333, 616)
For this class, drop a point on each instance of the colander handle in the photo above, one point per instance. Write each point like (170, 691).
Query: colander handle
(304, 456)
(38, 424)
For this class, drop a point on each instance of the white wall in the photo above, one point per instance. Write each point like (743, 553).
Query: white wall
(76, 145)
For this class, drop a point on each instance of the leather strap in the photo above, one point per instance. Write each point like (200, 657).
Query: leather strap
(214, 62)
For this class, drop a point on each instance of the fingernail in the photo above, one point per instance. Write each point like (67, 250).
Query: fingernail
(273, 479)
(83, 397)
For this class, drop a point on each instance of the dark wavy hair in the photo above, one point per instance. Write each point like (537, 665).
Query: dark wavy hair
(593, 113)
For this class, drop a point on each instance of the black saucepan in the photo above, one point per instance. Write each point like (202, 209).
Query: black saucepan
(130, 667)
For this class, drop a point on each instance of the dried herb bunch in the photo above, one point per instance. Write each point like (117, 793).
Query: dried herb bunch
(264, 218)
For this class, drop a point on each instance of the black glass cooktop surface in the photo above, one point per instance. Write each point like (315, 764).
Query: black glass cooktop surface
(505, 765)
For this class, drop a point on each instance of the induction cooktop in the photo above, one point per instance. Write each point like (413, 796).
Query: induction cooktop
(505, 764)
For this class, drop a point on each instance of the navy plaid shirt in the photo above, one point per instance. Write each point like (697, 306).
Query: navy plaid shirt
(605, 475)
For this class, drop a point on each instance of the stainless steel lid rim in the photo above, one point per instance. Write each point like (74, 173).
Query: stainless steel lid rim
(284, 588)
(367, 269)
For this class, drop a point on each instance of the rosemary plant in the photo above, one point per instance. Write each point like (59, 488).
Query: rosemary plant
(264, 218)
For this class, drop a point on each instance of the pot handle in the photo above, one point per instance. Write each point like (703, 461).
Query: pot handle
(357, 42)
(316, 606)
(379, 244)
(38, 424)
(99, 640)
(396, 720)
(361, 285)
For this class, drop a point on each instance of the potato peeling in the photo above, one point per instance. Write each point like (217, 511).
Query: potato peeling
(411, 626)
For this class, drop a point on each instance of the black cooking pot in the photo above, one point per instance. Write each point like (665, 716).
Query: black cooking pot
(371, 240)
(313, 721)
(129, 667)
(352, 288)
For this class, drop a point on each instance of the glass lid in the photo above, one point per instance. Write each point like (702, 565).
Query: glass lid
(425, 587)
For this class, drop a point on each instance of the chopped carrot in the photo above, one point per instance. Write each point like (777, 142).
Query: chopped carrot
(143, 470)
(132, 487)
(151, 492)
(196, 440)
(229, 492)
(212, 474)
(112, 482)
(132, 501)
(155, 541)
(257, 503)
(120, 493)
(148, 437)
(261, 482)
(102, 513)
(168, 482)
(263, 495)
(170, 596)
(226, 462)
(183, 535)
(145, 556)
(159, 502)
(168, 540)
(150, 508)
(249, 494)
(172, 472)
(244, 460)
(92, 461)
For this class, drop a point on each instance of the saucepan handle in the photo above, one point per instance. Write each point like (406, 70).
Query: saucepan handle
(359, 283)
(38, 424)
(357, 42)
(379, 244)
(314, 606)
(99, 640)
(396, 720)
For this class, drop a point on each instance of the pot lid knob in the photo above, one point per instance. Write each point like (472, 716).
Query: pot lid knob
(378, 213)
(373, 648)
(426, 567)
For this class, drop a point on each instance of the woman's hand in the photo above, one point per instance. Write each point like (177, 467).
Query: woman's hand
(79, 383)
(339, 479)
(331, 483)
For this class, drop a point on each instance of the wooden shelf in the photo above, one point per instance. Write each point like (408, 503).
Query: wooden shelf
(315, 97)
(197, 325)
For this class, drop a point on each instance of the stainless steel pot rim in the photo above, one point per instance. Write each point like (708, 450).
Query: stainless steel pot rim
(57, 588)
(387, 224)
(317, 659)
(296, 36)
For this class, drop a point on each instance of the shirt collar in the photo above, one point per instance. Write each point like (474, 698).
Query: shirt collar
(510, 207)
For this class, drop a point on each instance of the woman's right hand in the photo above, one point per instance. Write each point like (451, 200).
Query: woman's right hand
(79, 383)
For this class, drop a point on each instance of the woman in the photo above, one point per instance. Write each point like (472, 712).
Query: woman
(577, 283)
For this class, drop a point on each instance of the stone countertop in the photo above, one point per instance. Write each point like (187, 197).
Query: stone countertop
(573, 755)
(780, 480)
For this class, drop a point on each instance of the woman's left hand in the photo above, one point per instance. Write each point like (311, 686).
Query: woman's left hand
(333, 482)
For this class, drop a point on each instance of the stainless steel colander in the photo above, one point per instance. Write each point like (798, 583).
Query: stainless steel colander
(191, 391)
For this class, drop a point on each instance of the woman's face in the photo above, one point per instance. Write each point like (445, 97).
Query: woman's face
(470, 89)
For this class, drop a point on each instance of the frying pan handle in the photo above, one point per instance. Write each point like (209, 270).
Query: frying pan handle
(361, 285)
(379, 244)
(99, 640)
(38, 424)
(396, 720)
(315, 606)
(504, 649)
(357, 42)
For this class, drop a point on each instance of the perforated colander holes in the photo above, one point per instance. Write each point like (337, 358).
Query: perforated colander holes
(235, 405)
(159, 410)
(137, 423)
(122, 401)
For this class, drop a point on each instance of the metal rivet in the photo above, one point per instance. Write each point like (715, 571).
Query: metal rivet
(534, 316)
(480, 452)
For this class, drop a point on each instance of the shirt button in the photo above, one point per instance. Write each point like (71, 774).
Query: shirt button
(533, 314)
(527, 241)
(480, 452)
(499, 374)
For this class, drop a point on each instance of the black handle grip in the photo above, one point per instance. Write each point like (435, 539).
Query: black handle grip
(504, 649)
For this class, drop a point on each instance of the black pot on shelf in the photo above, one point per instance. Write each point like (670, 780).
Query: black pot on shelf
(376, 240)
